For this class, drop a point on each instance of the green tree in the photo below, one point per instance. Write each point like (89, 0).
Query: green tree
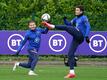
(14, 14)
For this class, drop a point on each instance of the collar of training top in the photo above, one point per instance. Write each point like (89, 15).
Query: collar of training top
(80, 15)
(33, 30)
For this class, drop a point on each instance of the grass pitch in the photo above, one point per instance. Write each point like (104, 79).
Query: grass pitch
(53, 72)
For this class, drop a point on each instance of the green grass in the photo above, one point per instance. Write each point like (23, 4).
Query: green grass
(50, 72)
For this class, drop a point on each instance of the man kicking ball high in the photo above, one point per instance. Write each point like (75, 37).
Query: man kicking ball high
(79, 33)
(33, 35)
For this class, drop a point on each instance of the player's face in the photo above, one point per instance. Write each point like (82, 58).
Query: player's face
(32, 25)
(78, 11)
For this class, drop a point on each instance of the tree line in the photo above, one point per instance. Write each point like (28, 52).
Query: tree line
(14, 14)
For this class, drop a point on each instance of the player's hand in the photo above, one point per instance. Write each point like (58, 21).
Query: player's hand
(87, 40)
(66, 64)
(17, 53)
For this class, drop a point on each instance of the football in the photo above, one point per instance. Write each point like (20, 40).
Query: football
(45, 17)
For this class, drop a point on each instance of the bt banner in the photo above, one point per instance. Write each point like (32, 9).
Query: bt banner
(54, 43)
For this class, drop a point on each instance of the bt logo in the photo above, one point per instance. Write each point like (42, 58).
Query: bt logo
(57, 42)
(14, 41)
(98, 43)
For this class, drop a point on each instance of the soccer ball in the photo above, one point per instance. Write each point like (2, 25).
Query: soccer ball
(45, 17)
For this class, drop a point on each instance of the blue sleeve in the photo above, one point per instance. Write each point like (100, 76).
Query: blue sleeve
(23, 42)
(87, 24)
(44, 31)
(66, 22)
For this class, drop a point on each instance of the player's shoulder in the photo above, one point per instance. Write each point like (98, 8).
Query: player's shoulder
(38, 29)
(27, 32)
(84, 17)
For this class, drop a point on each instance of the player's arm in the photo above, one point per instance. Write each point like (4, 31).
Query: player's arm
(22, 44)
(71, 23)
(44, 31)
(88, 28)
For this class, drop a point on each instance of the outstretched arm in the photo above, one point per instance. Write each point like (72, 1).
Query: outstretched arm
(44, 31)
(22, 43)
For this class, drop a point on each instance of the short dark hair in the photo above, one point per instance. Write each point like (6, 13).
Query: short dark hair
(31, 21)
(80, 7)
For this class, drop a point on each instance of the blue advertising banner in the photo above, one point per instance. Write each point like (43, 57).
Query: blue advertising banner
(54, 43)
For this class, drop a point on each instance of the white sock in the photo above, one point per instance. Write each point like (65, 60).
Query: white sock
(53, 26)
(17, 63)
(72, 71)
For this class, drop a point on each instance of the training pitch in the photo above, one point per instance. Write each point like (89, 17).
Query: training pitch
(53, 72)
